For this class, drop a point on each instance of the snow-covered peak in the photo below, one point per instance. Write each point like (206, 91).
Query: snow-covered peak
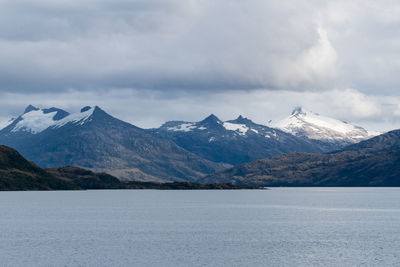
(35, 120)
(309, 124)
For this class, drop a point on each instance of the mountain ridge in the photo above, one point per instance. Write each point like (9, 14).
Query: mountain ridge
(16, 174)
(233, 141)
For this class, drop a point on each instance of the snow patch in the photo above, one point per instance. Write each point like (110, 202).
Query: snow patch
(35, 121)
(184, 127)
(75, 118)
(5, 124)
(240, 128)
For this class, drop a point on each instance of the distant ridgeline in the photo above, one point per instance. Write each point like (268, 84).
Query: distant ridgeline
(177, 151)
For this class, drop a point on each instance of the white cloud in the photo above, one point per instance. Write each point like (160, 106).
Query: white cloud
(354, 104)
(315, 66)
(397, 111)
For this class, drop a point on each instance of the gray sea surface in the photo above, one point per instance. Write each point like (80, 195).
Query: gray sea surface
(277, 227)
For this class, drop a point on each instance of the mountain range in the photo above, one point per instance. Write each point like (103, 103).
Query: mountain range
(177, 151)
(95, 140)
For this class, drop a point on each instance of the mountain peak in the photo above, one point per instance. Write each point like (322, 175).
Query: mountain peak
(241, 120)
(211, 119)
(298, 110)
(332, 132)
(30, 108)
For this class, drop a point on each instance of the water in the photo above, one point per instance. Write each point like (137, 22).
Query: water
(278, 227)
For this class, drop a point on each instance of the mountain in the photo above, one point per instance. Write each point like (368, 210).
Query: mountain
(329, 133)
(374, 162)
(95, 140)
(234, 142)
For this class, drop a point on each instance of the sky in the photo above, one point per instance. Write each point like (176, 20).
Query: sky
(150, 61)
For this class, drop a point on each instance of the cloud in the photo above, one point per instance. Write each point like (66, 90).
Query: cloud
(355, 104)
(315, 66)
(162, 45)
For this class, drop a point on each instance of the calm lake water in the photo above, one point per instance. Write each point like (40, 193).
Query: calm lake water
(278, 227)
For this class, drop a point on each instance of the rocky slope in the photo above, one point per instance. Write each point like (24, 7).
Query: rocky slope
(374, 162)
(235, 141)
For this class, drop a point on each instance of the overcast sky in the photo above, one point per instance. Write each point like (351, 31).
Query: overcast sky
(148, 61)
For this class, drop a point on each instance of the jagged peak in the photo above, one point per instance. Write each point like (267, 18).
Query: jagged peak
(30, 108)
(242, 120)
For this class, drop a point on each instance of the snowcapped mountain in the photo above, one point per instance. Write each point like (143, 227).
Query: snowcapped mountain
(35, 120)
(95, 140)
(330, 133)
(234, 142)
